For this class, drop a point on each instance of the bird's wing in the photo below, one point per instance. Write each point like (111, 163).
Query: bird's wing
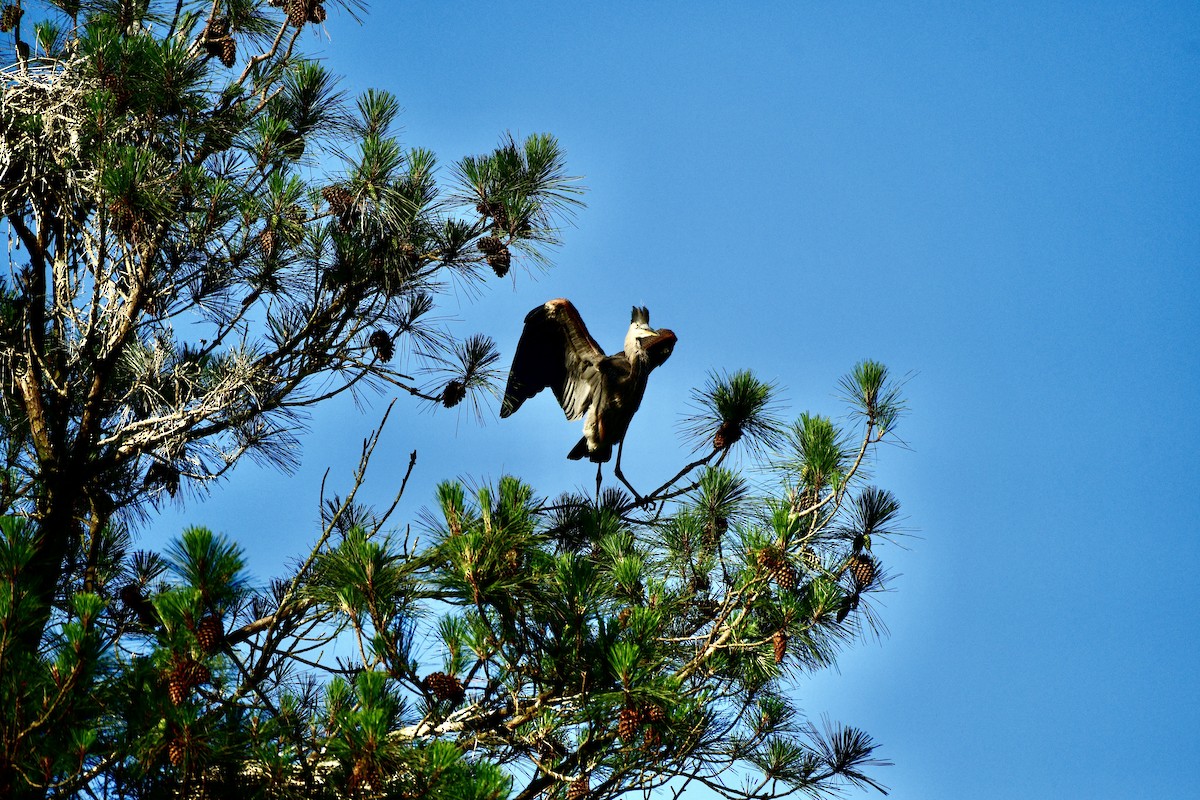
(555, 351)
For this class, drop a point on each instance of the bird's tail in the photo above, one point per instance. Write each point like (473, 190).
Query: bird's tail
(602, 454)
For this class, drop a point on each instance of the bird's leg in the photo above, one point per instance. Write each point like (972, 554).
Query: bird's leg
(599, 466)
(621, 476)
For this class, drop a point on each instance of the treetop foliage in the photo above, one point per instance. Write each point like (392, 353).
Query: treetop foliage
(208, 238)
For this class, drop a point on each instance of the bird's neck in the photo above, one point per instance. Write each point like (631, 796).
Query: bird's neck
(635, 353)
(633, 350)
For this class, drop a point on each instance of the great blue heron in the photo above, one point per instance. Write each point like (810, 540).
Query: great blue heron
(556, 351)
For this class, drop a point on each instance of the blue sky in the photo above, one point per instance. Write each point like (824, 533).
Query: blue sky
(1002, 199)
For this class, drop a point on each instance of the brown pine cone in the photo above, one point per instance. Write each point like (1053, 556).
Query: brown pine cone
(811, 560)
(217, 28)
(363, 774)
(178, 688)
(628, 723)
(177, 752)
(295, 213)
(500, 262)
(383, 346)
(727, 435)
(165, 475)
(339, 199)
(490, 245)
(131, 595)
(121, 212)
(780, 640)
(210, 633)
(579, 788)
(228, 54)
(453, 394)
(297, 12)
(862, 568)
(714, 530)
(785, 576)
(445, 687)
(768, 558)
(197, 674)
(268, 240)
(490, 208)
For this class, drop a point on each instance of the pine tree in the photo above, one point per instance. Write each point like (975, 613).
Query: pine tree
(585, 647)
(160, 204)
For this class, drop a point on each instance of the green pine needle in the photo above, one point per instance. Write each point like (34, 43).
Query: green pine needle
(731, 409)
(873, 394)
(815, 451)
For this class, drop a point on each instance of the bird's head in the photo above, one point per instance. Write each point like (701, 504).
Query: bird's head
(659, 347)
(656, 344)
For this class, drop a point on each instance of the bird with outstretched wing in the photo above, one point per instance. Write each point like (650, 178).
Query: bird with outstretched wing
(556, 351)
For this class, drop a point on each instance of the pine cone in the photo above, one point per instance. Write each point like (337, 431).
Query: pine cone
(297, 12)
(445, 687)
(495, 210)
(716, 528)
(295, 213)
(228, 52)
(623, 616)
(653, 739)
(268, 240)
(496, 254)
(166, 475)
(863, 569)
(786, 577)
(210, 633)
(490, 245)
(316, 14)
(768, 558)
(780, 640)
(179, 688)
(500, 262)
(177, 752)
(849, 603)
(197, 674)
(10, 17)
(383, 346)
(727, 435)
(656, 714)
(579, 788)
(510, 564)
(453, 394)
(811, 559)
(363, 774)
(628, 723)
(217, 28)
(490, 208)
(339, 199)
(123, 220)
(783, 573)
